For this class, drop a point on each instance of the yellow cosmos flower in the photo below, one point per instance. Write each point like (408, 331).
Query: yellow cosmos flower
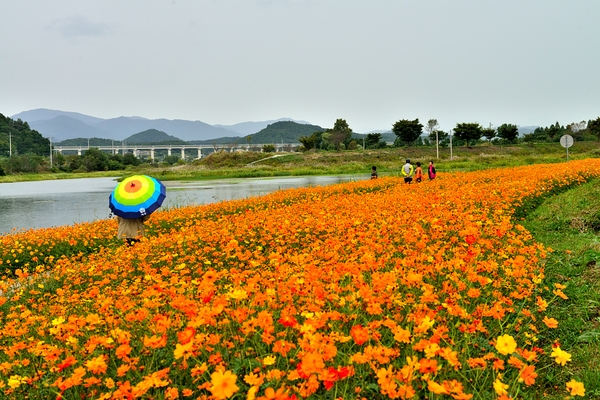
(436, 388)
(183, 350)
(576, 388)
(500, 387)
(560, 356)
(506, 344)
(238, 294)
(16, 380)
(269, 360)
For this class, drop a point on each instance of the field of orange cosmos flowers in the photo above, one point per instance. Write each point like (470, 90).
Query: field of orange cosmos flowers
(371, 289)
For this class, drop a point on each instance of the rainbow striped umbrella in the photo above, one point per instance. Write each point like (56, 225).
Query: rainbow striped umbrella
(137, 196)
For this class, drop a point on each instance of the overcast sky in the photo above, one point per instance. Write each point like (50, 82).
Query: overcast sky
(370, 62)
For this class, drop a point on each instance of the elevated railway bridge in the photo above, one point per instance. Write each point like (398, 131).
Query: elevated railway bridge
(195, 151)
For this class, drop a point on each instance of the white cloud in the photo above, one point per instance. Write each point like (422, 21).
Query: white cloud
(78, 26)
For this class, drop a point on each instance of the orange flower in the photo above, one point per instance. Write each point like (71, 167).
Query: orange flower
(155, 342)
(186, 335)
(223, 384)
(67, 363)
(123, 351)
(401, 335)
(359, 334)
(96, 365)
(183, 350)
(436, 388)
(427, 366)
(498, 364)
(528, 375)
(550, 322)
(172, 393)
(312, 363)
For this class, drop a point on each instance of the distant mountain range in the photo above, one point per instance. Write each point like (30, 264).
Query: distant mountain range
(66, 125)
(63, 125)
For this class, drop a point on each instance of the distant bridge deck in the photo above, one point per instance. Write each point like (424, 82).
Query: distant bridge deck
(150, 149)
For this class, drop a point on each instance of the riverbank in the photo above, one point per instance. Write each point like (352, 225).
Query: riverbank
(388, 161)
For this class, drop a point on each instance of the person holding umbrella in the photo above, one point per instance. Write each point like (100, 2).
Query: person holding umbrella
(131, 229)
(132, 201)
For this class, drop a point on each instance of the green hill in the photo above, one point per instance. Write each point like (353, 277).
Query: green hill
(83, 142)
(221, 140)
(153, 136)
(21, 137)
(283, 131)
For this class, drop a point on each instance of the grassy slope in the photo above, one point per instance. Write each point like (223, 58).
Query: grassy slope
(569, 223)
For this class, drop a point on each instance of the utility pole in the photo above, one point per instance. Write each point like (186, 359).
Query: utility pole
(10, 144)
(450, 144)
(50, 138)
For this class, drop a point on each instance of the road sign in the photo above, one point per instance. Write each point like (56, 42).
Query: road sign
(566, 141)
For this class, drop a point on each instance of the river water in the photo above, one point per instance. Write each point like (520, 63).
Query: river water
(42, 204)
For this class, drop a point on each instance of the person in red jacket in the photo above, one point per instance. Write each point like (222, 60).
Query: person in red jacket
(431, 171)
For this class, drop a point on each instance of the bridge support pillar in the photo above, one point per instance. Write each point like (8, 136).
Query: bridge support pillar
(152, 154)
(183, 153)
(199, 152)
(169, 151)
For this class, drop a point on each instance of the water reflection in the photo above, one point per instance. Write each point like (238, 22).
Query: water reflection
(41, 204)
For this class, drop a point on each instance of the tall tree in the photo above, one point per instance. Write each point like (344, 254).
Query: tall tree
(308, 142)
(489, 133)
(555, 131)
(407, 131)
(578, 129)
(432, 132)
(341, 133)
(594, 127)
(468, 131)
(372, 140)
(440, 135)
(94, 160)
(508, 132)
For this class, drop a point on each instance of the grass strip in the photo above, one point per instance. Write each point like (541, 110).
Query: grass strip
(569, 223)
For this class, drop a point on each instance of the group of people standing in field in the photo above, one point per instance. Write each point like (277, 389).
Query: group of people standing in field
(409, 171)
